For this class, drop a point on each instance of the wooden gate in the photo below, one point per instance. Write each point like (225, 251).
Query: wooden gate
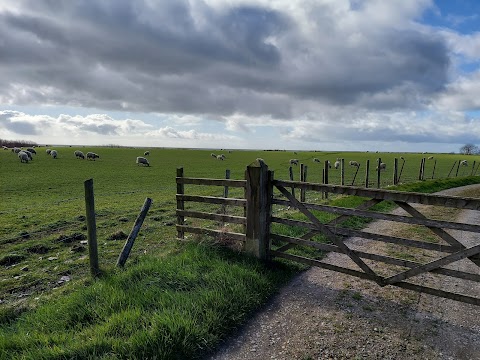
(262, 192)
(336, 235)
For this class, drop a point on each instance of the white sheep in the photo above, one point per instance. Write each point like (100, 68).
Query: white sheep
(32, 150)
(92, 155)
(53, 154)
(463, 163)
(354, 163)
(316, 160)
(213, 155)
(382, 166)
(430, 158)
(48, 151)
(336, 164)
(16, 150)
(29, 154)
(142, 160)
(79, 155)
(293, 161)
(221, 157)
(4, 147)
(146, 153)
(23, 156)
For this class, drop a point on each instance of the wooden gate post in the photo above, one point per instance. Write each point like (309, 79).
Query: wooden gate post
(395, 171)
(258, 195)
(180, 203)
(367, 170)
(91, 228)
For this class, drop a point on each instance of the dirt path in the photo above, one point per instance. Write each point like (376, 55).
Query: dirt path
(328, 315)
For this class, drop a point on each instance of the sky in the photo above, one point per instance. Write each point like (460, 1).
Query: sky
(346, 75)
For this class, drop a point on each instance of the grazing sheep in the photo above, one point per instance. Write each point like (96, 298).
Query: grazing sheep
(146, 153)
(316, 160)
(221, 157)
(79, 155)
(293, 161)
(354, 163)
(142, 160)
(23, 156)
(92, 155)
(463, 163)
(32, 150)
(48, 151)
(382, 166)
(16, 150)
(29, 154)
(213, 155)
(53, 154)
(4, 147)
(430, 158)
(336, 164)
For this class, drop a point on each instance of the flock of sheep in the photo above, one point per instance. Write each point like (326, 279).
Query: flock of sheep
(26, 155)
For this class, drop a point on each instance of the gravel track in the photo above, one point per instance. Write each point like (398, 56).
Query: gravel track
(322, 314)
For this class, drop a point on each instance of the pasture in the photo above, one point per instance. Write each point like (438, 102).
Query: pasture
(42, 227)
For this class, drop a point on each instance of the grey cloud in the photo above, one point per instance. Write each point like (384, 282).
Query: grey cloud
(155, 56)
(21, 127)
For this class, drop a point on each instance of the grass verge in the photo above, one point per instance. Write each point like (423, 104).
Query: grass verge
(178, 306)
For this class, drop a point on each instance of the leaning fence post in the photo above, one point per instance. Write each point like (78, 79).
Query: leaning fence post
(180, 203)
(451, 169)
(302, 179)
(91, 228)
(458, 167)
(258, 195)
(133, 234)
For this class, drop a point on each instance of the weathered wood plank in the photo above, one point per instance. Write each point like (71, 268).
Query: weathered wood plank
(411, 197)
(375, 257)
(210, 232)
(389, 217)
(329, 234)
(211, 216)
(405, 285)
(211, 182)
(433, 265)
(180, 201)
(366, 235)
(212, 200)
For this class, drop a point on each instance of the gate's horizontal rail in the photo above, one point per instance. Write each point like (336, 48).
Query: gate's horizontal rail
(405, 285)
(212, 216)
(376, 257)
(212, 182)
(215, 233)
(397, 218)
(419, 198)
(212, 200)
(366, 235)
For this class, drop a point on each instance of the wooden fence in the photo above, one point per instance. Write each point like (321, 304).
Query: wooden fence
(262, 192)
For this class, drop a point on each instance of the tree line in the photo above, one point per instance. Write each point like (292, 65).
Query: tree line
(17, 143)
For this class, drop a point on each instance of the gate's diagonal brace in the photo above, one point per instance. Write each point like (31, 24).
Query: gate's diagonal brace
(433, 265)
(345, 249)
(437, 231)
(363, 206)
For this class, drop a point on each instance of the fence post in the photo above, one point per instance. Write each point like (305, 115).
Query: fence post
(473, 167)
(327, 164)
(395, 171)
(302, 179)
(122, 258)
(458, 167)
(225, 194)
(91, 228)
(434, 167)
(420, 171)
(367, 170)
(258, 195)
(379, 161)
(180, 203)
(291, 179)
(342, 173)
(451, 169)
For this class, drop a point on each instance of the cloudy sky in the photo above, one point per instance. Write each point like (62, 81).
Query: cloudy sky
(397, 75)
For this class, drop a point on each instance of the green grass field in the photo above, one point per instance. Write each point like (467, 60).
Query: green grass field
(42, 225)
